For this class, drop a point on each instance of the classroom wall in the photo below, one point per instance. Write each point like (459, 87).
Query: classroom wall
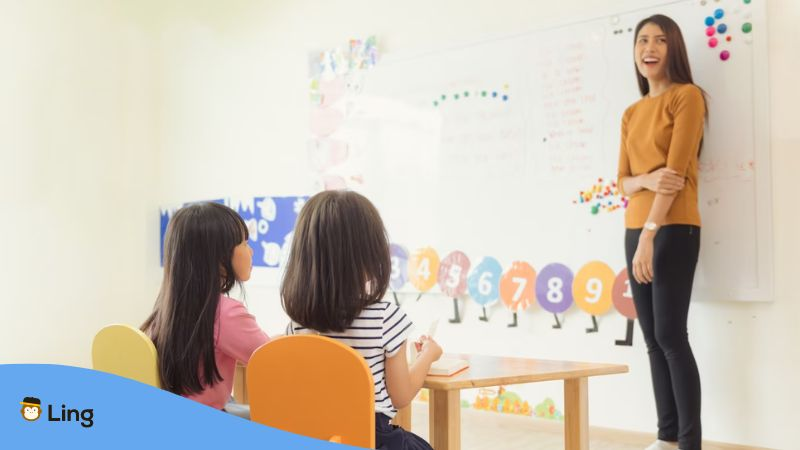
(78, 176)
(236, 121)
(118, 108)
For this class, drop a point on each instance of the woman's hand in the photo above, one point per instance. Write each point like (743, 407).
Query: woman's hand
(643, 259)
(663, 181)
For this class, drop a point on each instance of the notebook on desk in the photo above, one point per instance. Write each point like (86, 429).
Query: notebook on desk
(445, 367)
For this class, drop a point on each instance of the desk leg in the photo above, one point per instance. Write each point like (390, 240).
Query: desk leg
(445, 419)
(240, 384)
(576, 414)
(403, 418)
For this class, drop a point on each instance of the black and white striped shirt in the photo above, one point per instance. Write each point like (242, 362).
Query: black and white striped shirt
(377, 333)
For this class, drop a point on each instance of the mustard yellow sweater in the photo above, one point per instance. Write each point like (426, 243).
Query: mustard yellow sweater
(663, 131)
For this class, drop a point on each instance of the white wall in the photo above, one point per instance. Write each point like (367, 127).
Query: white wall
(221, 90)
(237, 87)
(78, 176)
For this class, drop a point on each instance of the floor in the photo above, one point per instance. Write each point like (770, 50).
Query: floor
(482, 430)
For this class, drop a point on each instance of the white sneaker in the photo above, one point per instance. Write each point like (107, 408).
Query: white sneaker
(663, 445)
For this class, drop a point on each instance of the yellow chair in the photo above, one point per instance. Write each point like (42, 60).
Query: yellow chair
(313, 386)
(125, 351)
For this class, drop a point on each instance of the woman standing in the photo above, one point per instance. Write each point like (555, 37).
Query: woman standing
(661, 138)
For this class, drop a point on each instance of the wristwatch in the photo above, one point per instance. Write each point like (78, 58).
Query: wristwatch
(650, 226)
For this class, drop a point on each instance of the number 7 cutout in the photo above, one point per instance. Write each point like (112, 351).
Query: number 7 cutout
(623, 302)
(517, 288)
(591, 290)
(453, 279)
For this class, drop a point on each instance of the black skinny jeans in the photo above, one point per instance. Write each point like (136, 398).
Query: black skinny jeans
(662, 308)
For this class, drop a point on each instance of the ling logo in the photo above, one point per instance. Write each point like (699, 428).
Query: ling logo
(31, 408)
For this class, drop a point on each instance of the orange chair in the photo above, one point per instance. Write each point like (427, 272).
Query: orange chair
(313, 386)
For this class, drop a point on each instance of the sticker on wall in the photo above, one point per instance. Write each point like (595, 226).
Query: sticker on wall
(483, 283)
(453, 278)
(547, 410)
(502, 401)
(517, 288)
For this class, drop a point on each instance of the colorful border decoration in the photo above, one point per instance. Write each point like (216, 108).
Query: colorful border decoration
(270, 222)
(336, 78)
(595, 288)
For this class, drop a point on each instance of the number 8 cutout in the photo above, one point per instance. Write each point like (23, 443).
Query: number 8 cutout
(554, 288)
(592, 288)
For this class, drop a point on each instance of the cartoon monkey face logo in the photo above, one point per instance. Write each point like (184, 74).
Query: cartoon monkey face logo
(31, 408)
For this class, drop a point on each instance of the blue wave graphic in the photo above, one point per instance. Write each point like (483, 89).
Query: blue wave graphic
(125, 414)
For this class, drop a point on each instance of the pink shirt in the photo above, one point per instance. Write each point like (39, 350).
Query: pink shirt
(237, 336)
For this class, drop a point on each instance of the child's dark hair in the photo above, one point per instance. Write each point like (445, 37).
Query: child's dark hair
(198, 249)
(339, 262)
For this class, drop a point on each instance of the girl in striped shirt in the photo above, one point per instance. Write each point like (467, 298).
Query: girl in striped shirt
(336, 277)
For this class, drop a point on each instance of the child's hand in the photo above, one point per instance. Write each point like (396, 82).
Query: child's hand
(427, 346)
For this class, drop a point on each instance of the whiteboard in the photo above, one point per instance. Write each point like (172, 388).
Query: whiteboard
(485, 147)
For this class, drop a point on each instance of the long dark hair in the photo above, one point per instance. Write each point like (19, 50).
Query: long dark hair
(198, 251)
(339, 261)
(678, 69)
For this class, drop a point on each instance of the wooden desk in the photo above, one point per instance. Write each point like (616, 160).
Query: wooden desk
(444, 400)
(239, 384)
